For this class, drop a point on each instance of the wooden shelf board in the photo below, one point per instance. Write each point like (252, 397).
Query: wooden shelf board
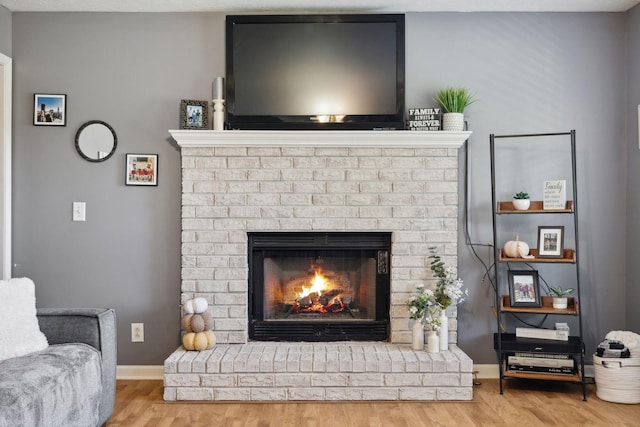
(569, 257)
(535, 207)
(547, 307)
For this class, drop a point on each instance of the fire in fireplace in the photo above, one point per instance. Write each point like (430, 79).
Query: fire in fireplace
(319, 286)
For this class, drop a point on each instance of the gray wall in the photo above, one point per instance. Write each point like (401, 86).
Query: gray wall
(532, 73)
(131, 71)
(633, 169)
(5, 31)
(535, 73)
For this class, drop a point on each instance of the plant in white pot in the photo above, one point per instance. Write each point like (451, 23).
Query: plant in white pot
(559, 296)
(453, 101)
(521, 201)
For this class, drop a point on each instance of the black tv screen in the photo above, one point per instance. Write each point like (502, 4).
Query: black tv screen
(315, 71)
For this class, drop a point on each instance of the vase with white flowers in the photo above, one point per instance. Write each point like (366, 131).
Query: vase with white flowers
(423, 310)
(448, 290)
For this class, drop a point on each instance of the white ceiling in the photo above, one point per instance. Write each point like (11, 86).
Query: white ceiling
(240, 6)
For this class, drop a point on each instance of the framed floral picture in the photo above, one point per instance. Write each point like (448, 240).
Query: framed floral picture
(49, 110)
(142, 169)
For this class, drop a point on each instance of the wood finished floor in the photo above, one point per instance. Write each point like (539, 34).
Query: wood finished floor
(524, 403)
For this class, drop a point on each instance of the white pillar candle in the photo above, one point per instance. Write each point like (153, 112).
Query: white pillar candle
(218, 88)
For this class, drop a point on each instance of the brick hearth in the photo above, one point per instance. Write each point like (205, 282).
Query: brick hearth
(235, 182)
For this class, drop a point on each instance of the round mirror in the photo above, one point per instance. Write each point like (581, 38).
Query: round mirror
(96, 141)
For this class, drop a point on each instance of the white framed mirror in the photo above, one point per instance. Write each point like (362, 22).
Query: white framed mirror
(96, 141)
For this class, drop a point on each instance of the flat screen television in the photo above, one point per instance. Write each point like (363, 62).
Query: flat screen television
(315, 71)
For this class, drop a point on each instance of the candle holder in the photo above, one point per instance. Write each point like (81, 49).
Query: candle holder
(218, 114)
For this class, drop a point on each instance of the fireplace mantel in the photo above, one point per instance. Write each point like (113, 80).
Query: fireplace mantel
(328, 138)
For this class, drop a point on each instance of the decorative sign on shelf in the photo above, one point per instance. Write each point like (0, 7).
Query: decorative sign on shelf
(424, 118)
(554, 194)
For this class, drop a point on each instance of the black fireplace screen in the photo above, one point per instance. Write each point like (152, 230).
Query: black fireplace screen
(319, 286)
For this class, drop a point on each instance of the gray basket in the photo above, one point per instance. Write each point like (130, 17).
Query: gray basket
(617, 380)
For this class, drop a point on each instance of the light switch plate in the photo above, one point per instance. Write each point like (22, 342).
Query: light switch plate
(79, 211)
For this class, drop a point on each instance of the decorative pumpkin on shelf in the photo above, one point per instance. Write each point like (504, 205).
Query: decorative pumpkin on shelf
(516, 248)
(199, 340)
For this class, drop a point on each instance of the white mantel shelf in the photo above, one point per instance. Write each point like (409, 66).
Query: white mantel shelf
(325, 138)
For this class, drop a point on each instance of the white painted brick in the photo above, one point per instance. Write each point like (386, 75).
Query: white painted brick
(197, 224)
(378, 393)
(298, 151)
(208, 187)
(170, 394)
(230, 299)
(362, 199)
(218, 380)
(343, 394)
(418, 393)
(376, 187)
(310, 187)
(293, 380)
(232, 393)
(362, 175)
(306, 394)
(328, 199)
(194, 394)
(262, 199)
(276, 187)
(366, 380)
(264, 151)
(230, 175)
(361, 224)
(297, 176)
(341, 212)
(276, 162)
(295, 224)
(268, 394)
(256, 380)
(198, 174)
(409, 212)
(244, 162)
(342, 162)
(330, 380)
(343, 187)
(296, 199)
(402, 380)
(204, 212)
(332, 151)
(328, 224)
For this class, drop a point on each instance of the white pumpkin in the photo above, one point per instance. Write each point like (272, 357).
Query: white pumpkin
(516, 249)
(195, 305)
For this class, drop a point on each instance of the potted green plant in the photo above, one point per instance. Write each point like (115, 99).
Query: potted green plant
(559, 296)
(453, 101)
(521, 201)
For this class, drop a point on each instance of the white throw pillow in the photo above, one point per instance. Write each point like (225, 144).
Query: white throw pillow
(19, 330)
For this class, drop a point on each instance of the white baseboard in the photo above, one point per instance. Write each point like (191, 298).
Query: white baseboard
(139, 372)
(487, 371)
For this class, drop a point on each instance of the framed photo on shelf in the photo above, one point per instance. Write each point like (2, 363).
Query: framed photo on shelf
(49, 110)
(142, 169)
(524, 288)
(194, 114)
(550, 242)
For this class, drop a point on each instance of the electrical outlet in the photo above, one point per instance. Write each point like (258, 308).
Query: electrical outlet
(137, 332)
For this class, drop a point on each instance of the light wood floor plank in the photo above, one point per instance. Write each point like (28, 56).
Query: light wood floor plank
(524, 403)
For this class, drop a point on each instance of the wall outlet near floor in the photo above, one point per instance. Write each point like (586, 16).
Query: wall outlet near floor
(137, 332)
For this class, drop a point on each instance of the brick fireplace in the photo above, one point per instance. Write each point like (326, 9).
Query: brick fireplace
(239, 182)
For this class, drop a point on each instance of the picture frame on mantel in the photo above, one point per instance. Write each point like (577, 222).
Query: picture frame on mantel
(194, 114)
(49, 109)
(142, 169)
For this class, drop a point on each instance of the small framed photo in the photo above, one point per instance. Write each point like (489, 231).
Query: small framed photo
(550, 242)
(49, 110)
(524, 288)
(194, 114)
(142, 169)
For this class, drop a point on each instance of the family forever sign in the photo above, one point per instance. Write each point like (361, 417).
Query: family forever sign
(424, 118)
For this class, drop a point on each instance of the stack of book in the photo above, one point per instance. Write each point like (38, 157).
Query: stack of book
(561, 364)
